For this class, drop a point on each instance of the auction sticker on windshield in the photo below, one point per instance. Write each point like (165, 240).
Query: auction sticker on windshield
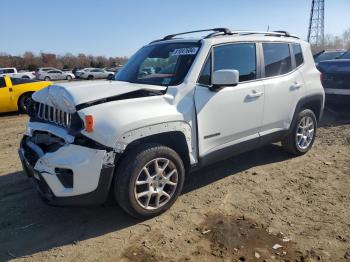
(186, 51)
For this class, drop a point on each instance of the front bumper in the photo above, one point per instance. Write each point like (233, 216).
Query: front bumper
(91, 173)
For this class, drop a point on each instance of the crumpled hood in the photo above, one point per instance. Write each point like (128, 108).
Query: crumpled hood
(70, 95)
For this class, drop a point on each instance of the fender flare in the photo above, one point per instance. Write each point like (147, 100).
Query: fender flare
(128, 137)
(316, 98)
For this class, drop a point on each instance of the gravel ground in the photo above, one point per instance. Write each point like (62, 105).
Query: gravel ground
(236, 210)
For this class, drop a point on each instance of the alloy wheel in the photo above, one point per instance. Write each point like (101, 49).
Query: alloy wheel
(305, 132)
(156, 183)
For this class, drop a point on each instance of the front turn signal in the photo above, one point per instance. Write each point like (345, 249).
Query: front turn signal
(89, 123)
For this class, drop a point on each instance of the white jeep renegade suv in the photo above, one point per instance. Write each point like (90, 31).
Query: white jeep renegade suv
(177, 104)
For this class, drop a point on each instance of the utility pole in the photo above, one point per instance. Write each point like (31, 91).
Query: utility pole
(316, 26)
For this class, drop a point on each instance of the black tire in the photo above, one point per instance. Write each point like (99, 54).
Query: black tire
(90, 77)
(23, 102)
(47, 78)
(128, 172)
(69, 78)
(290, 143)
(110, 77)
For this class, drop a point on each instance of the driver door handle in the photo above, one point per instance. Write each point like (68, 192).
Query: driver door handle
(255, 94)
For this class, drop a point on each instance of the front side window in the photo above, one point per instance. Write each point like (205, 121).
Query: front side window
(298, 54)
(241, 57)
(2, 82)
(277, 59)
(205, 76)
(163, 64)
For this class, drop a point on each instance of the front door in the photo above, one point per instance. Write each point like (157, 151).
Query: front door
(233, 114)
(6, 96)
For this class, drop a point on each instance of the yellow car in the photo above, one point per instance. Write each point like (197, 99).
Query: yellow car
(15, 92)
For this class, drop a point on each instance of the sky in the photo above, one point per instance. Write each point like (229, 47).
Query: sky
(120, 28)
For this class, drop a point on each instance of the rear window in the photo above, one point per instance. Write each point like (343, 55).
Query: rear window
(277, 59)
(345, 55)
(328, 56)
(298, 54)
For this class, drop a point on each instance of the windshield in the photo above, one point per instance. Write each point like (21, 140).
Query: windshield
(345, 55)
(160, 64)
(328, 56)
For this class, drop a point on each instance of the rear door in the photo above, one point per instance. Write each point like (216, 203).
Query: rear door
(54, 74)
(284, 84)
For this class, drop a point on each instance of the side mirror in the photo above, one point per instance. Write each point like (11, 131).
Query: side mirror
(224, 78)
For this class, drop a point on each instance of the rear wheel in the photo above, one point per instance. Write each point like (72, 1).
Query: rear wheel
(69, 78)
(23, 103)
(302, 137)
(90, 77)
(149, 180)
(47, 78)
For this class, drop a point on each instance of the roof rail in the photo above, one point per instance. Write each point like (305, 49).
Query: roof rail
(267, 33)
(216, 31)
(226, 31)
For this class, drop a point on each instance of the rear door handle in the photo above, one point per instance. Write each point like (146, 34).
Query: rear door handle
(295, 86)
(255, 94)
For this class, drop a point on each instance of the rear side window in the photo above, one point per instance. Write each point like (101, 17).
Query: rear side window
(298, 54)
(277, 58)
(2, 82)
(241, 57)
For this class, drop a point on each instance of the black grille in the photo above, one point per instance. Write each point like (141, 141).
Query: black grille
(40, 112)
(50, 114)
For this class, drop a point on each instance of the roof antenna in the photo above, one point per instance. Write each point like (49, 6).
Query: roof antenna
(268, 28)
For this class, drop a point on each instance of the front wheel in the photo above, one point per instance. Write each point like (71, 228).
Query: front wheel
(47, 78)
(23, 103)
(302, 136)
(148, 181)
(69, 78)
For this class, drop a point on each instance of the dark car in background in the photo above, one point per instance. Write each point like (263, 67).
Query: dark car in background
(336, 79)
(328, 55)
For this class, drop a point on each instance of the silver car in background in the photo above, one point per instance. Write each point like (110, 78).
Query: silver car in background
(94, 73)
(54, 74)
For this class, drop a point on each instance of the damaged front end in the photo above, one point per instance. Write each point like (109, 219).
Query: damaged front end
(68, 168)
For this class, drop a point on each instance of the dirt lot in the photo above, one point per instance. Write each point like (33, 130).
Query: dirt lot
(236, 210)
